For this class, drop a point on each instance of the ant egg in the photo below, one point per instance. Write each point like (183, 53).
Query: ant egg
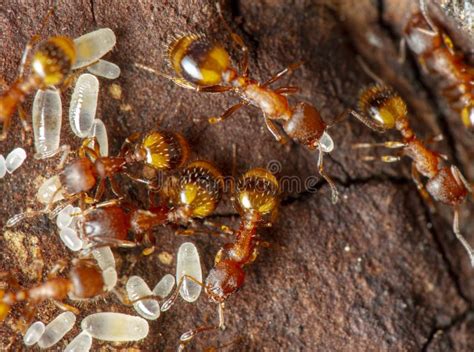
(326, 143)
(104, 69)
(188, 263)
(3, 167)
(92, 46)
(34, 333)
(56, 329)
(83, 106)
(99, 131)
(104, 257)
(51, 187)
(138, 288)
(164, 287)
(81, 343)
(64, 218)
(47, 119)
(71, 239)
(14, 160)
(110, 278)
(117, 327)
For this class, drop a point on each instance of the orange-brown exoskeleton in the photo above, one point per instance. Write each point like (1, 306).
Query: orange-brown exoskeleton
(381, 109)
(50, 63)
(257, 199)
(194, 195)
(205, 66)
(160, 150)
(436, 54)
(84, 281)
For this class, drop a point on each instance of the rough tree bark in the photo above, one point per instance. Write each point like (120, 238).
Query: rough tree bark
(376, 272)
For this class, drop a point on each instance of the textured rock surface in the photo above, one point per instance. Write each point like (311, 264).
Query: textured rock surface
(375, 272)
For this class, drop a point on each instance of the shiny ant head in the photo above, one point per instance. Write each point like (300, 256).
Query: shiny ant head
(383, 106)
(163, 150)
(198, 60)
(199, 189)
(257, 192)
(53, 60)
(223, 280)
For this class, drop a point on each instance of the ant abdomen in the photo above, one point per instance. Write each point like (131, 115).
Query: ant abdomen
(53, 60)
(198, 60)
(163, 150)
(257, 192)
(383, 105)
(446, 187)
(199, 189)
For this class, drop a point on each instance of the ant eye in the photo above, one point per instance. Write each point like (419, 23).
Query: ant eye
(199, 61)
(383, 105)
(53, 59)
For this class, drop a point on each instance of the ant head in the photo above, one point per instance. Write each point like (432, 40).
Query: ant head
(382, 105)
(257, 191)
(87, 280)
(199, 188)
(223, 280)
(53, 60)
(78, 176)
(163, 150)
(198, 60)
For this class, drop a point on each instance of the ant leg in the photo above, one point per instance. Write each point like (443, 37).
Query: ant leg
(219, 227)
(238, 42)
(415, 175)
(66, 307)
(460, 237)
(388, 144)
(424, 12)
(281, 73)
(24, 122)
(6, 126)
(368, 122)
(334, 191)
(105, 204)
(402, 51)
(287, 90)
(383, 158)
(129, 141)
(115, 188)
(99, 192)
(174, 296)
(149, 183)
(227, 113)
(341, 117)
(434, 139)
(188, 336)
(275, 131)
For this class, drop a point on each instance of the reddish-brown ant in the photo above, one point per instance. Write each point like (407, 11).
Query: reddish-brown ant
(195, 194)
(160, 150)
(84, 281)
(257, 202)
(382, 109)
(205, 66)
(436, 54)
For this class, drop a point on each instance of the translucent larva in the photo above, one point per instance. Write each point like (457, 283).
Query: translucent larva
(104, 69)
(118, 327)
(81, 343)
(34, 333)
(83, 106)
(92, 46)
(56, 329)
(165, 286)
(188, 263)
(15, 159)
(138, 288)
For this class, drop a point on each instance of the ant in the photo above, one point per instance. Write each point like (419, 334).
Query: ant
(382, 109)
(435, 51)
(84, 281)
(257, 202)
(50, 64)
(195, 193)
(160, 150)
(205, 66)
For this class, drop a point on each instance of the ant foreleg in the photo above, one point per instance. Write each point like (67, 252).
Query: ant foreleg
(415, 175)
(178, 81)
(275, 131)
(227, 113)
(388, 144)
(281, 73)
(287, 90)
(174, 296)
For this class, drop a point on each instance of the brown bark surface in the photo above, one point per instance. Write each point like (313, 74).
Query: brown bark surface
(376, 272)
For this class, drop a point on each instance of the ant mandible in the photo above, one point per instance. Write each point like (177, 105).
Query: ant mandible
(205, 66)
(436, 54)
(382, 109)
(257, 202)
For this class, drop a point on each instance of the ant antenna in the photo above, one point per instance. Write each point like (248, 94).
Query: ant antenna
(368, 71)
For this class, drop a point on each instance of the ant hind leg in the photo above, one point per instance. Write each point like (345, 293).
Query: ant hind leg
(460, 237)
(334, 191)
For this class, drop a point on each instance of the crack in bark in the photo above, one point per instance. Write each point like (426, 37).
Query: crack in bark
(444, 329)
(91, 5)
